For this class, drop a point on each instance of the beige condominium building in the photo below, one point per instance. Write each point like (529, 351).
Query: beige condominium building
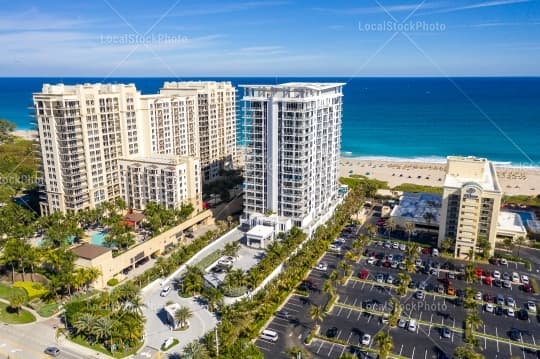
(470, 205)
(168, 179)
(86, 129)
(83, 130)
(216, 122)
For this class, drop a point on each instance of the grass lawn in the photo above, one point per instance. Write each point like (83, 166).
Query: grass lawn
(6, 291)
(209, 259)
(48, 310)
(6, 316)
(101, 349)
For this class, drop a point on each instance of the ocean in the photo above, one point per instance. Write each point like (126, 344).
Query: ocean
(423, 119)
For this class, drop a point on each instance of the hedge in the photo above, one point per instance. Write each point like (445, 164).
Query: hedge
(112, 282)
(33, 289)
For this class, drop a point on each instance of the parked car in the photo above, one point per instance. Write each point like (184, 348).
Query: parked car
(412, 325)
(503, 262)
(510, 302)
(496, 274)
(451, 290)
(371, 260)
(419, 295)
(500, 299)
(331, 332)
(488, 297)
(506, 276)
(510, 312)
(446, 333)
(366, 339)
(507, 284)
(530, 305)
(363, 274)
(478, 296)
(323, 266)
(515, 277)
(402, 323)
(488, 307)
(283, 314)
(379, 278)
(435, 252)
(524, 279)
(499, 310)
(522, 314)
(514, 334)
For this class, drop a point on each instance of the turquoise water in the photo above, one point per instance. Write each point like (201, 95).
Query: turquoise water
(408, 118)
(525, 215)
(70, 240)
(98, 238)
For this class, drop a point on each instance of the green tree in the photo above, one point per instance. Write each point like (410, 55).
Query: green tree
(328, 288)
(404, 280)
(192, 281)
(470, 273)
(182, 315)
(520, 241)
(466, 352)
(447, 244)
(6, 129)
(390, 225)
(385, 343)
(196, 350)
(16, 301)
(214, 297)
(371, 229)
(316, 313)
(470, 301)
(231, 249)
(410, 228)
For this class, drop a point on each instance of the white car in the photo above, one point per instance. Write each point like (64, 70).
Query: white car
(488, 307)
(226, 261)
(419, 295)
(341, 240)
(412, 325)
(478, 296)
(335, 247)
(165, 291)
(395, 245)
(323, 266)
(510, 312)
(510, 302)
(435, 252)
(390, 279)
(379, 278)
(524, 279)
(402, 323)
(402, 247)
(503, 261)
(390, 257)
(515, 277)
(366, 339)
(418, 262)
(496, 274)
(531, 306)
(371, 260)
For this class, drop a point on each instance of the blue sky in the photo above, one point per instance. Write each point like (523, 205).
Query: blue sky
(113, 38)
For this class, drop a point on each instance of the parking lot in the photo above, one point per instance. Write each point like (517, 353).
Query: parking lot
(362, 302)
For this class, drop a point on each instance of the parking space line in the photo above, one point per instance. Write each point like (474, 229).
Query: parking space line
(331, 348)
(485, 339)
(497, 341)
(320, 346)
(412, 355)
(339, 312)
(354, 283)
(354, 303)
(343, 350)
(279, 324)
(290, 309)
(400, 349)
(425, 355)
(350, 311)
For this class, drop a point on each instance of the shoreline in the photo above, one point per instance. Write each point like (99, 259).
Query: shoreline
(25, 134)
(513, 180)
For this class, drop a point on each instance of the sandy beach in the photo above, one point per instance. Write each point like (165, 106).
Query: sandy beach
(513, 180)
(26, 134)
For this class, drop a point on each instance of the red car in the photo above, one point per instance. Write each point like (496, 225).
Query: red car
(425, 250)
(386, 264)
(527, 288)
(363, 274)
(479, 272)
(488, 297)
(488, 280)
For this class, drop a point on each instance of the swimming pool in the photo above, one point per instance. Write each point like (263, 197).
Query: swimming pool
(98, 238)
(525, 215)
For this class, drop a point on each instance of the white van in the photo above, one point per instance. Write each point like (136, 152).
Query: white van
(412, 325)
(269, 335)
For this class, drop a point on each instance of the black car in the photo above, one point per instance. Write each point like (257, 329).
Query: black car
(331, 332)
(412, 284)
(460, 293)
(514, 334)
(523, 314)
(52, 351)
(458, 301)
(283, 314)
(499, 311)
(497, 283)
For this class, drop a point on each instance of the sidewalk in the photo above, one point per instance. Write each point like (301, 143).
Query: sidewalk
(39, 318)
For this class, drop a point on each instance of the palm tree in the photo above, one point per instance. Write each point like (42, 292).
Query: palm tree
(316, 313)
(328, 288)
(467, 352)
(404, 280)
(344, 267)
(470, 273)
(470, 301)
(473, 320)
(409, 228)
(371, 229)
(196, 350)
(84, 323)
(385, 343)
(390, 226)
(447, 244)
(16, 301)
(102, 329)
(182, 315)
(193, 281)
(333, 276)
(214, 298)
(520, 241)
(231, 249)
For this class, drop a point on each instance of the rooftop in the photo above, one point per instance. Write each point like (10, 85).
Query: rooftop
(260, 231)
(318, 86)
(61, 89)
(416, 207)
(89, 251)
(134, 217)
(510, 222)
(157, 159)
(467, 170)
